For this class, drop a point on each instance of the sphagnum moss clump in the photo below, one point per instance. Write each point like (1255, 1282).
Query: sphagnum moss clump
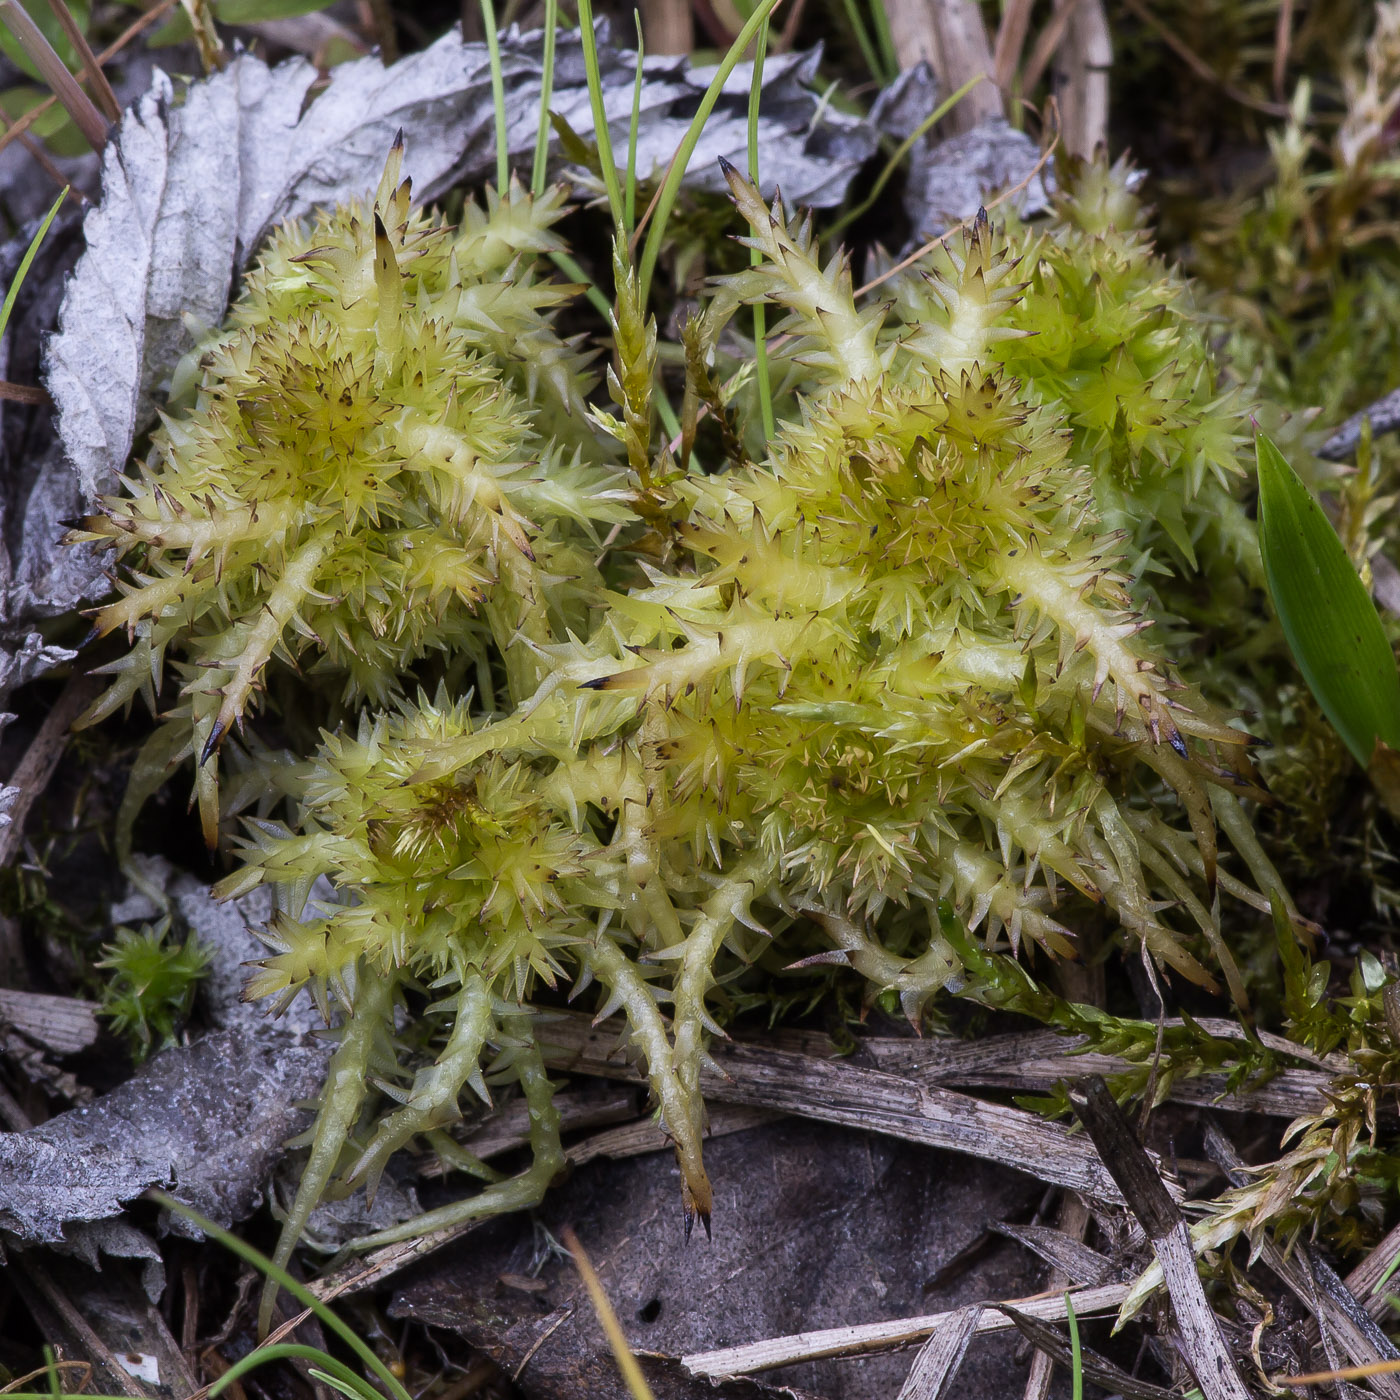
(365, 477)
(896, 666)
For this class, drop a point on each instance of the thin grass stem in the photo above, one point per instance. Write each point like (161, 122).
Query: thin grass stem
(632, 130)
(902, 150)
(498, 93)
(1075, 1355)
(54, 72)
(760, 317)
(884, 37)
(283, 1279)
(538, 172)
(670, 187)
(863, 40)
(22, 271)
(600, 114)
(603, 1309)
(575, 273)
(97, 80)
(291, 1351)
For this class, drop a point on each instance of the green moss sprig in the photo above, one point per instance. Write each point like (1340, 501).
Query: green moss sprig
(151, 984)
(386, 457)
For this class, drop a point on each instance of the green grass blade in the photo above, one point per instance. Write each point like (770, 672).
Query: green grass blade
(1075, 1356)
(670, 188)
(299, 1291)
(863, 42)
(885, 37)
(1327, 615)
(498, 93)
(632, 131)
(600, 115)
(551, 27)
(760, 318)
(26, 262)
(346, 1381)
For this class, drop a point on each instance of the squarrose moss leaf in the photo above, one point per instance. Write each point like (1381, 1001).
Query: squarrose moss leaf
(897, 671)
(364, 477)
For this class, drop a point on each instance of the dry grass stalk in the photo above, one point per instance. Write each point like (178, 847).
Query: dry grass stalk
(1365, 1279)
(1202, 1346)
(936, 1366)
(1038, 1060)
(869, 1337)
(1011, 41)
(668, 26)
(873, 1101)
(948, 35)
(1082, 64)
(1074, 1225)
(33, 771)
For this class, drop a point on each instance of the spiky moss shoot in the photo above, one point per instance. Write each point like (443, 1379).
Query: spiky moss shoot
(494, 877)
(151, 984)
(1107, 335)
(357, 484)
(908, 665)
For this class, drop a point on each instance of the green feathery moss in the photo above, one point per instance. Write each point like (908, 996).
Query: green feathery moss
(370, 473)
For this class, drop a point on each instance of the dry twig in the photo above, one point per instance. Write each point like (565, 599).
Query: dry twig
(1202, 1347)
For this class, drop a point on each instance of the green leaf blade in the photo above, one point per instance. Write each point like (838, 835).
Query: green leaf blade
(1328, 618)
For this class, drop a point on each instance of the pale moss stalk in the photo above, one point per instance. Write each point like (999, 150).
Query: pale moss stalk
(433, 1100)
(518, 1192)
(682, 1114)
(368, 1018)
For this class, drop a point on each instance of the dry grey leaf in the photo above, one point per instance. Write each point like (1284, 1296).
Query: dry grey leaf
(950, 180)
(1083, 1266)
(816, 1226)
(207, 1121)
(191, 190)
(45, 1185)
(89, 1240)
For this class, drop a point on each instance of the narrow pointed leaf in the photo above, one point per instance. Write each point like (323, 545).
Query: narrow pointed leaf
(1328, 617)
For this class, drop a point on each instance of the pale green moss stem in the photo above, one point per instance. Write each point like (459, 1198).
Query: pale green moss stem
(519, 1192)
(679, 1113)
(433, 1102)
(1236, 825)
(1156, 862)
(727, 906)
(346, 1076)
(913, 979)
